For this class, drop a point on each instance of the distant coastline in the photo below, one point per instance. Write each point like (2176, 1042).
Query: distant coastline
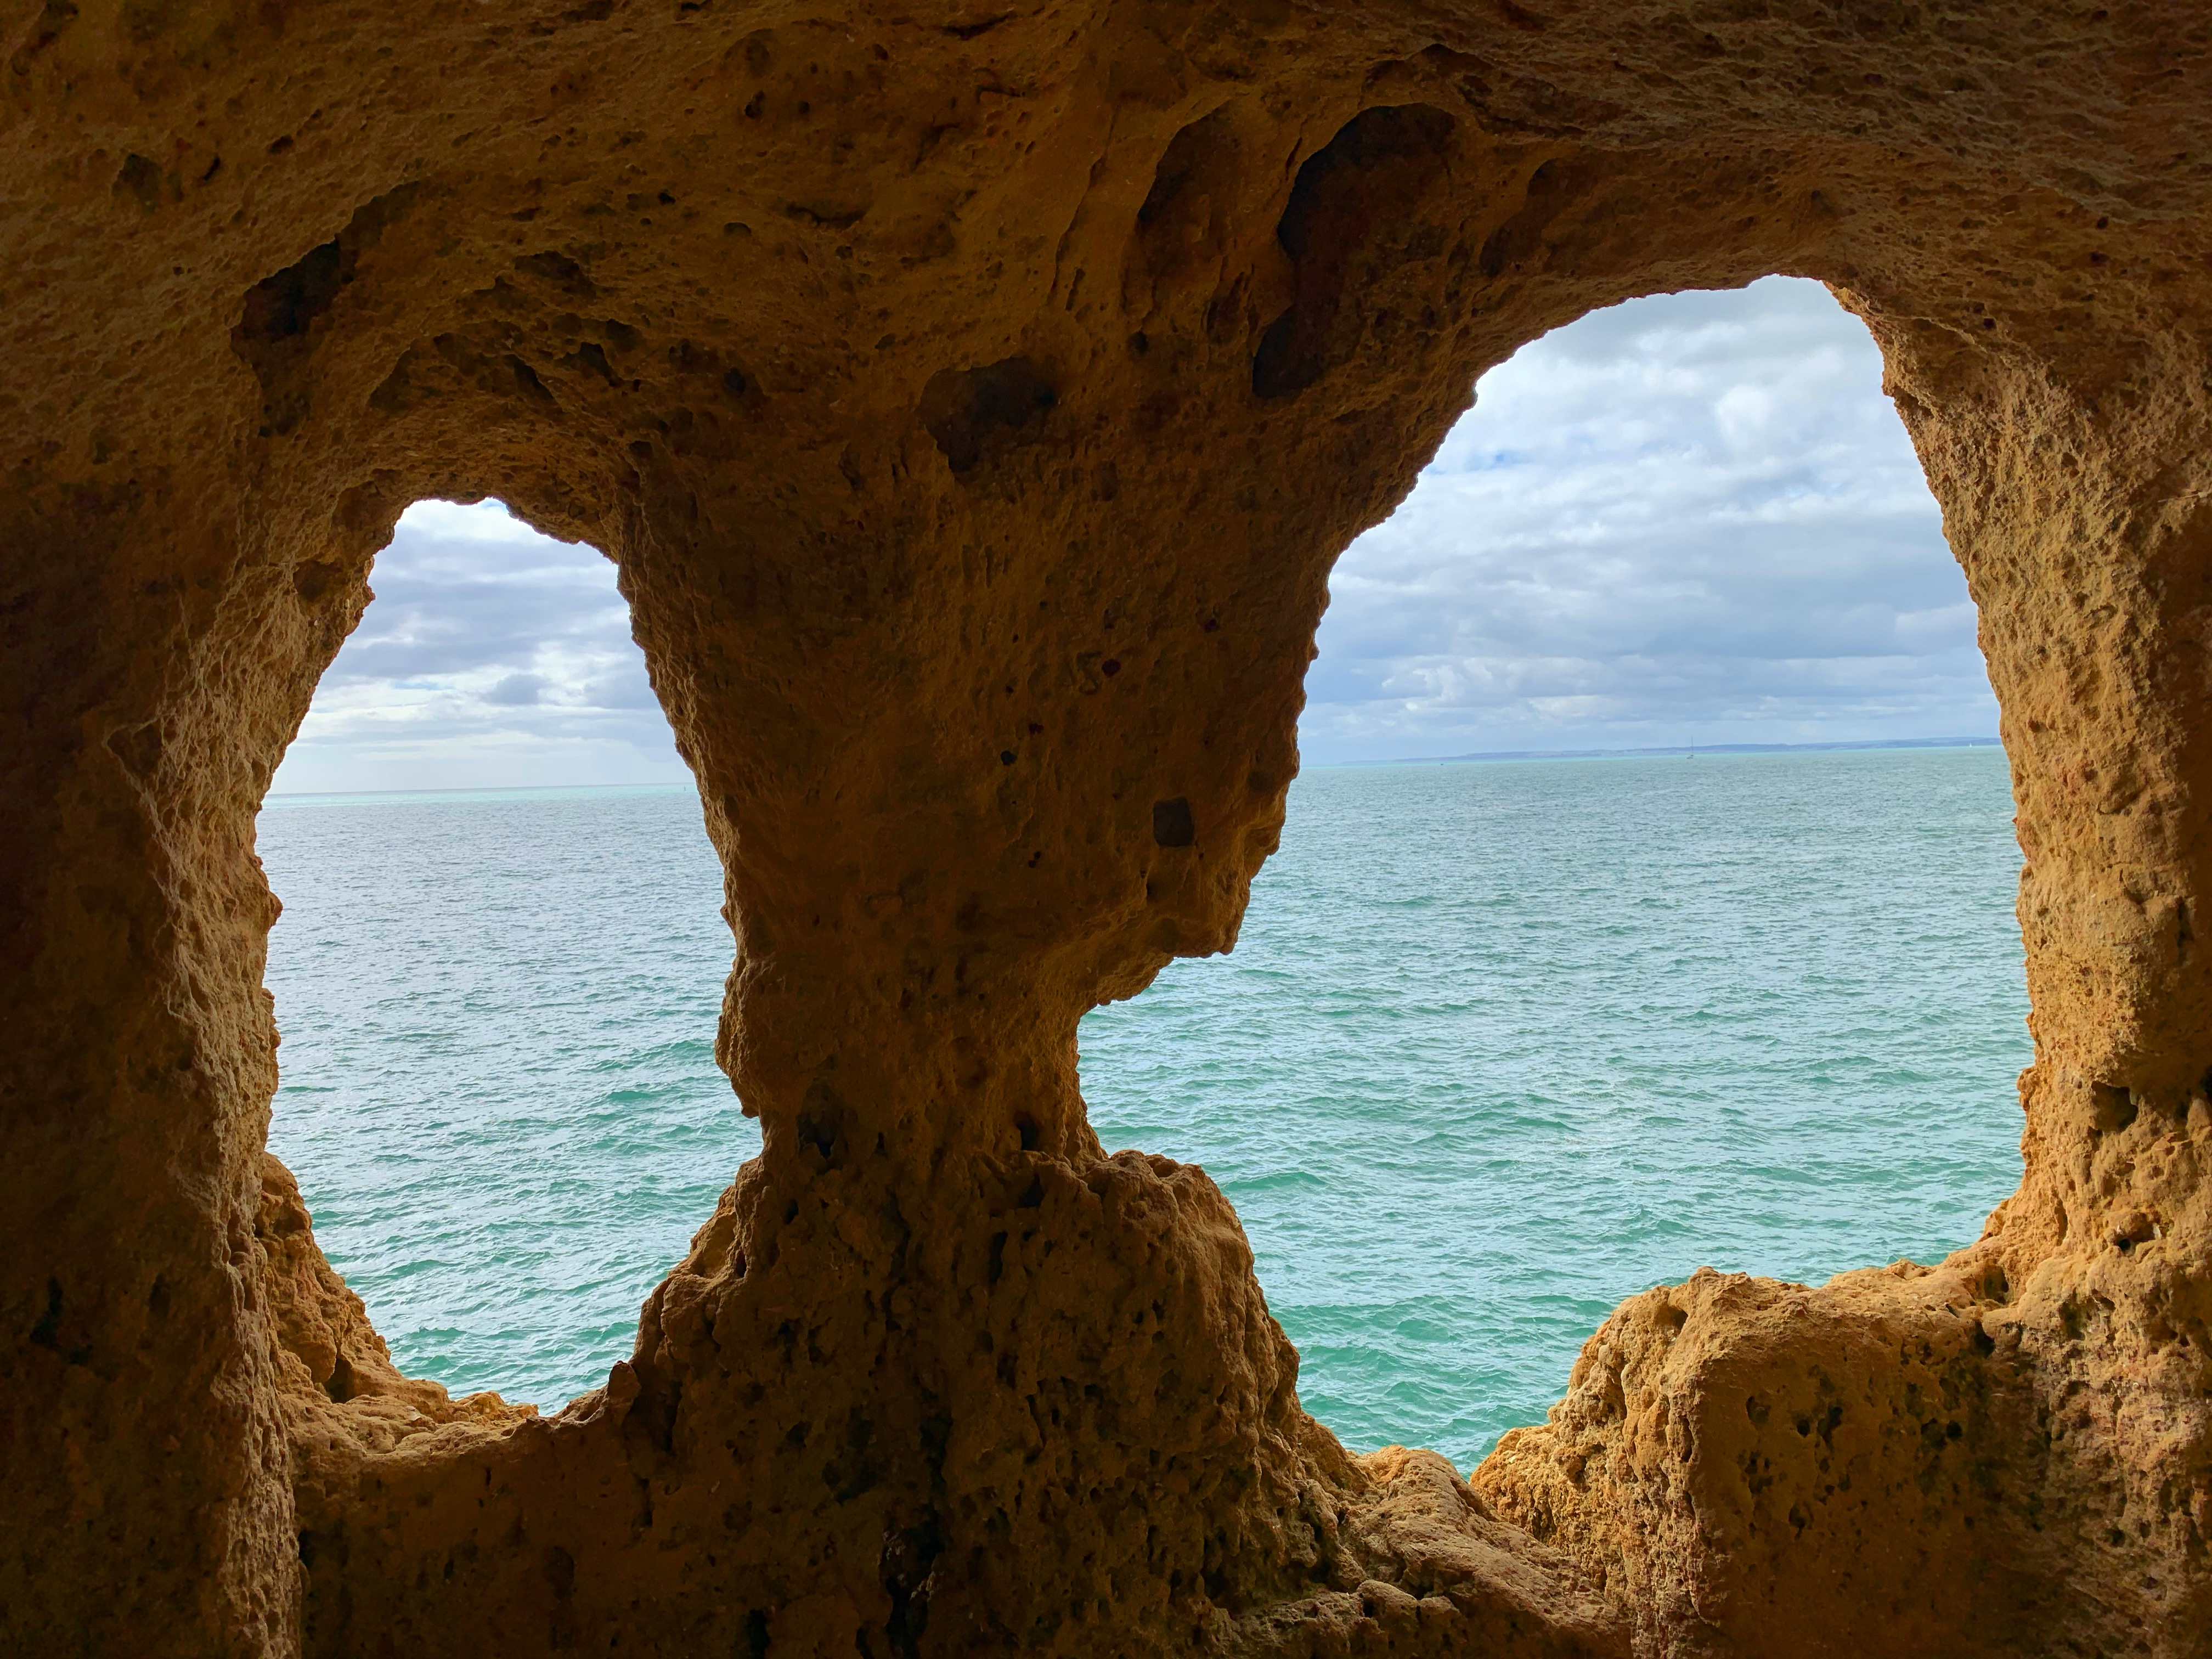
(1682, 748)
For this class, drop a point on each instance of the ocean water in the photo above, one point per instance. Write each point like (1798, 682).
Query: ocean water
(1501, 1044)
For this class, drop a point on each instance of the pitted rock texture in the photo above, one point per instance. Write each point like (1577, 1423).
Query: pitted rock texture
(973, 400)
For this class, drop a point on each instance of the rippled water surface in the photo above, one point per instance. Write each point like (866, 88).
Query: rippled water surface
(1501, 1044)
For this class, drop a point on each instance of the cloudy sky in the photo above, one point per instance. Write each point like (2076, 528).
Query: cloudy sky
(1691, 519)
(491, 658)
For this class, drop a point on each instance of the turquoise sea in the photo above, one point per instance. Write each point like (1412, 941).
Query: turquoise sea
(1503, 1043)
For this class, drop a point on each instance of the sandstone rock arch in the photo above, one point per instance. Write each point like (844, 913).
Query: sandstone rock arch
(955, 385)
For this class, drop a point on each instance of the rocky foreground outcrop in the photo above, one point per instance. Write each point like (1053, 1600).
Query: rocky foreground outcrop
(974, 399)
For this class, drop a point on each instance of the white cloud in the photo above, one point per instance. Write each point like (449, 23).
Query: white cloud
(1689, 518)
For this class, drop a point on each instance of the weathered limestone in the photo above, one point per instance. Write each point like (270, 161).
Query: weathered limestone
(974, 402)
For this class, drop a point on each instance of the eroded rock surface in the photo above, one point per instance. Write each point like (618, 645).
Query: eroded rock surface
(973, 401)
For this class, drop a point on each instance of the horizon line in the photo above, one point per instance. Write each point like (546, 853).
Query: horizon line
(1684, 749)
(472, 789)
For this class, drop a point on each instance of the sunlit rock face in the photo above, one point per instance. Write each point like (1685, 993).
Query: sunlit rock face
(974, 401)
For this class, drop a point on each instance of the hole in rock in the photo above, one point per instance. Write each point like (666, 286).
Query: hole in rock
(499, 964)
(1504, 1041)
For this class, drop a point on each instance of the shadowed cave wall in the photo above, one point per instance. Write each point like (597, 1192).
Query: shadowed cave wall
(973, 404)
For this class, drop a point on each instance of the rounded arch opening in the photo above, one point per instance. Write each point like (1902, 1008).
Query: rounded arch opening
(1506, 1042)
(499, 964)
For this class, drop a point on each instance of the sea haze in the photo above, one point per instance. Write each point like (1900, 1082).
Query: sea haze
(1501, 1044)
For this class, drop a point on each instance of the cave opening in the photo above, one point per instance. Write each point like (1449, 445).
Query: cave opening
(1690, 521)
(1508, 1041)
(499, 964)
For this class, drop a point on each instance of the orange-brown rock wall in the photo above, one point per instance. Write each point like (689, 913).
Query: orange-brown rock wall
(973, 404)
